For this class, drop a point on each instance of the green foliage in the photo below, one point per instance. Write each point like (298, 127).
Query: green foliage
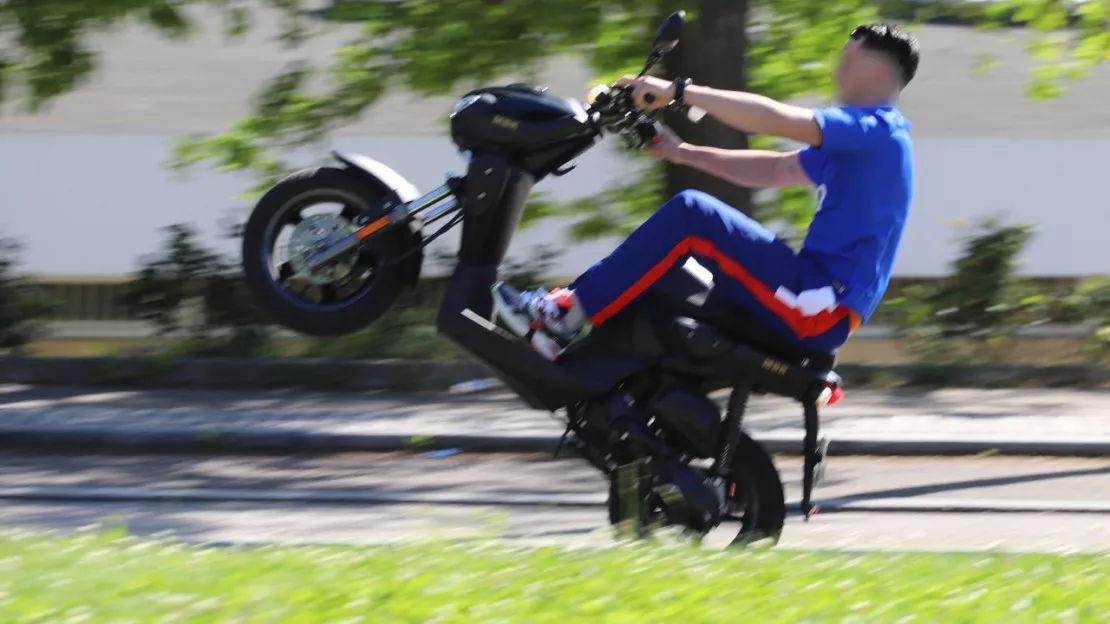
(47, 52)
(116, 578)
(977, 300)
(982, 304)
(435, 47)
(24, 308)
(185, 276)
(532, 271)
(431, 47)
(1089, 303)
(405, 332)
(615, 211)
(166, 281)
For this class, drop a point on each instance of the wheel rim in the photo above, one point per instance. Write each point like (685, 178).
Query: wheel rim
(304, 225)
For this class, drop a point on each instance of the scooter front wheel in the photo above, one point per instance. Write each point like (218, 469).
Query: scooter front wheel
(302, 215)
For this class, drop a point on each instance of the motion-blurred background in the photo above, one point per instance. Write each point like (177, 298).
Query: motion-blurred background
(131, 131)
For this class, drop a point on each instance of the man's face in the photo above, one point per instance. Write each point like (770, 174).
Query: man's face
(861, 75)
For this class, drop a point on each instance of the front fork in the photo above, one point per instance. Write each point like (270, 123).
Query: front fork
(429, 208)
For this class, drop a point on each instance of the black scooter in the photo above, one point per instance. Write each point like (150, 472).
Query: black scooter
(634, 390)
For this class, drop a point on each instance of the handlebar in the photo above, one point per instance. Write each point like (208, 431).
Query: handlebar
(618, 114)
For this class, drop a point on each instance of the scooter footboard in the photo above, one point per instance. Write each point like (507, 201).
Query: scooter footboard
(581, 375)
(543, 384)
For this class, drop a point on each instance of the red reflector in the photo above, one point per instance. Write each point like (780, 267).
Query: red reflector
(837, 394)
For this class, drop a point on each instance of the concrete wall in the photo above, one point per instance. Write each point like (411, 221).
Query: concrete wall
(92, 204)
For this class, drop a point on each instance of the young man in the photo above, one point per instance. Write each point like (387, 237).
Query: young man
(859, 156)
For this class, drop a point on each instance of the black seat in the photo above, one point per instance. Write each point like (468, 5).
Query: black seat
(687, 295)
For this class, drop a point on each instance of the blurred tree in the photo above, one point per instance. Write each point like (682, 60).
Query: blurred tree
(166, 281)
(23, 306)
(983, 302)
(46, 50)
(781, 48)
(184, 272)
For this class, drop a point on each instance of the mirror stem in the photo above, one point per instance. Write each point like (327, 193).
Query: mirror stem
(652, 60)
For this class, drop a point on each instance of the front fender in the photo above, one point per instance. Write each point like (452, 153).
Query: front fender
(399, 191)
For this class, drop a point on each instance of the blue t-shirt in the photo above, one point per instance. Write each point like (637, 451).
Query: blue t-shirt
(863, 172)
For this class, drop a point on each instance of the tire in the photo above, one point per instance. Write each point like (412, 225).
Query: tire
(755, 476)
(305, 188)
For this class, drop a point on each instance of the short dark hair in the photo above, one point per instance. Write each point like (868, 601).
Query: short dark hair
(894, 41)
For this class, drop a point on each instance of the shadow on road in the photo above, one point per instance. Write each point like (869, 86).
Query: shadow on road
(924, 490)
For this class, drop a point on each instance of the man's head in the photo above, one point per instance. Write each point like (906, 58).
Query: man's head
(878, 61)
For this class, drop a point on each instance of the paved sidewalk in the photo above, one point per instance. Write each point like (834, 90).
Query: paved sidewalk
(943, 413)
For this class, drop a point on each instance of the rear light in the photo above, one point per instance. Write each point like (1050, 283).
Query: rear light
(831, 395)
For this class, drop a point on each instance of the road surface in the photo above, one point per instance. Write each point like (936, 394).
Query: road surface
(338, 499)
(1044, 413)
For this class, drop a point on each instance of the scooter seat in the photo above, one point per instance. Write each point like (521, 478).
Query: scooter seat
(740, 325)
(686, 294)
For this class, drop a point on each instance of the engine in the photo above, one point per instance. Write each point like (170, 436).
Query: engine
(519, 119)
(689, 417)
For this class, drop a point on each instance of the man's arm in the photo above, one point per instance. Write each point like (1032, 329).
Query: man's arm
(756, 114)
(832, 129)
(750, 168)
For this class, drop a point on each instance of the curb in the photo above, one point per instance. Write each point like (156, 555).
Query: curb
(240, 374)
(243, 442)
(856, 504)
(417, 376)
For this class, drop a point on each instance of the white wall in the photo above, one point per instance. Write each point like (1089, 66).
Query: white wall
(1057, 185)
(92, 204)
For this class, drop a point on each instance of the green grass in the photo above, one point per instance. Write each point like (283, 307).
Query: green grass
(96, 578)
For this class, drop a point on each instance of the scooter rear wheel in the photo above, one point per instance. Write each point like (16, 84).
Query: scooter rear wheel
(756, 499)
(755, 495)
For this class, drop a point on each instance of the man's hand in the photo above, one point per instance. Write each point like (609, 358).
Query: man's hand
(662, 91)
(669, 147)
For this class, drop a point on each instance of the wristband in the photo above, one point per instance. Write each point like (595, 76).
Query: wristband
(680, 85)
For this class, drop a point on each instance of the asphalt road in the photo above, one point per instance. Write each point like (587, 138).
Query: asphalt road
(338, 499)
(952, 413)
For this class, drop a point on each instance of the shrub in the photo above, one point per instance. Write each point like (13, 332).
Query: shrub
(24, 308)
(184, 275)
(975, 312)
(1089, 302)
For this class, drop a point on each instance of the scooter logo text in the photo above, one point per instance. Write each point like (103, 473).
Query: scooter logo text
(505, 122)
(774, 366)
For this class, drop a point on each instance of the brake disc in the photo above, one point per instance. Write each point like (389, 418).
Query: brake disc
(314, 234)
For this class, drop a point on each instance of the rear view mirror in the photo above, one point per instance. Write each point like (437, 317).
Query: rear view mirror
(666, 38)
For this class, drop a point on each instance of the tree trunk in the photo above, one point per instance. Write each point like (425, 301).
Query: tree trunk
(712, 53)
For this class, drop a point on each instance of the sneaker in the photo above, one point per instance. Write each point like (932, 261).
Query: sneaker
(535, 315)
